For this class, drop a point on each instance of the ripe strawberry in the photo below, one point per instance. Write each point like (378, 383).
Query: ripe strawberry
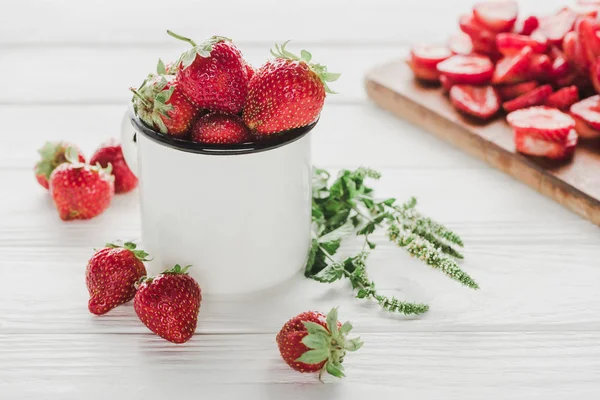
(514, 68)
(213, 74)
(497, 16)
(461, 43)
(543, 122)
(286, 93)
(313, 341)
(429, 55)
(511, 43)
(250, 71)
(111, 275)
(584, 130)
(555, 27)
(478, 101)
(111, 153)
(473, 69)
(534, 98)
(588, 110)
(527, 26)
(220, 128)
(429, 74)
(52, 155)
(160, 103)
(534, 146)
(509, 92)
(168, 304)
(563, 98)
(80, 191)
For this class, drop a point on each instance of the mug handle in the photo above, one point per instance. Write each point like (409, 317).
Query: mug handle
(129, 141)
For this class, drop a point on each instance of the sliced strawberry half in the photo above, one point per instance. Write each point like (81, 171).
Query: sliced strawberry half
(461, 43)
(473, 69)
(540, 67)
(587, 35)
(513, 69)
(429, 55)
(424, 73)
(478, 101)
(588, 110)
(532, 145)
(475, 29)
(534, 98)
(584, 130)
(509, 92)
(527, 26)
(555, 27)
(543, 122)
(497, 16)
(511, 43)
(575, 53)
(560, 66)
(563, 98)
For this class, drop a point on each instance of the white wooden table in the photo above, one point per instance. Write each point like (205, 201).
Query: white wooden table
(532, 331)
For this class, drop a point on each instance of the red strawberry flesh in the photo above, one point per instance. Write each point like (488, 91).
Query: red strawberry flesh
(536, 97)
(588, 110)
(555, 27)
(563, 98)
(429, 55)
(508, 92)
(478, 101)
(471, 69)
(544, 122)
(461, 43)
(511, 43)
(513, 69)
(527, 26)
(498, 16)
(584, 130)
(430, 74)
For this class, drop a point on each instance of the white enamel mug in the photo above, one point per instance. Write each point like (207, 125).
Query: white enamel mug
(240, 215)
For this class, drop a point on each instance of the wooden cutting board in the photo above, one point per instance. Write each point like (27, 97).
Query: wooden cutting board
(574, 184)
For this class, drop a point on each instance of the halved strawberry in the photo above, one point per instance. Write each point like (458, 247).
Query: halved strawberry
(497, 16)
(543, 122)
(588, 110)
(513, 69)
(560, 66)
(475, 29)
(446, 83)
(511, 43)
(584, 130)
(461, 43)
(471, 69)
(555, 27)
(509, 92)
(478, 101)
(534, 98)
(424, 73)
(563, 98)
(429, 55)
(587, 34)
(534, 146)
(540, 67)
(595, 75)
(527, 26)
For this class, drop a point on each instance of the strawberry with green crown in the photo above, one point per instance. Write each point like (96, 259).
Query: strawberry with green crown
(286, 93)
(160, 103)
(79, 190)
(52, 155)
(315, 342)
(213, 75)
(111, 275)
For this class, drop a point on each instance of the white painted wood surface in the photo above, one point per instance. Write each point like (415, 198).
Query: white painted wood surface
(532, 331)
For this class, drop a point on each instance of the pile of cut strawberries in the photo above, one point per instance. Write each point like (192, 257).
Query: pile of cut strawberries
(212, 95)
(535, 68)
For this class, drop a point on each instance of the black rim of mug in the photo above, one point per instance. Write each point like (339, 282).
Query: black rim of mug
(273, 142)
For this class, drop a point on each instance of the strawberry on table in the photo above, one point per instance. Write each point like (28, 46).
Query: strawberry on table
(533, 98)
(563, 98)
(111, 153)
(111, 275)
(169, 303)
(509, 92)
(286, 93)
(478, 101)
(497, 16)
(473, 69)
(213, 75)
(160, 103)
(315, 342)
(220, 128)
(514, 68)
(80, 191)
(588, 110)
(52, 155)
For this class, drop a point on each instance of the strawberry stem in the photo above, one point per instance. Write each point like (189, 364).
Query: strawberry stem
(140, 97)
(185, 39)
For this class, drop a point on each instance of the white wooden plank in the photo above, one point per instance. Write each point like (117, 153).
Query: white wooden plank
(347, 135)
(103, 75)
(143, 21)
(463, 365)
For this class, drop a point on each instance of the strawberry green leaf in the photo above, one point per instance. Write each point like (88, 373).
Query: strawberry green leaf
(314, 328)
(177, 269)
(315, 341)
(353, 344)
(335, 369)
(160, 68)
(306, 56)
(346, 328)
(314, 356)
(332, 319)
